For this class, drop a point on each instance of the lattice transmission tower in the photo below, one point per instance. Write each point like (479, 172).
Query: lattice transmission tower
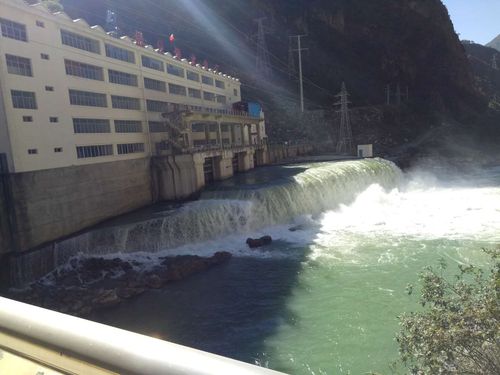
(344, 143)
(494, 63)
(263, 63)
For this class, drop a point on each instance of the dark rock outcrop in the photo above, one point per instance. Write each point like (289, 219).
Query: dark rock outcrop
(91, 284)
(254, 243)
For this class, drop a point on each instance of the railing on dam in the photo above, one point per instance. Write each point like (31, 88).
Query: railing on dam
(35, 340)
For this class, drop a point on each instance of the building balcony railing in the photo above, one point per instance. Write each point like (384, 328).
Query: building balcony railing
(190, 109)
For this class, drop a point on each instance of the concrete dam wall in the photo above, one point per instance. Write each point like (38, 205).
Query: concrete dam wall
(40, 209)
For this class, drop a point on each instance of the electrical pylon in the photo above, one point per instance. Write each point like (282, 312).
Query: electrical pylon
(263, 64)
(494, 63)
(344, 143)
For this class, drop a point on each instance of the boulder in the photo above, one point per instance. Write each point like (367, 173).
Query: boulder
(259, 242)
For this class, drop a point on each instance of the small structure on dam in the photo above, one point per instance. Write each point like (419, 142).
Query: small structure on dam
(93, 125)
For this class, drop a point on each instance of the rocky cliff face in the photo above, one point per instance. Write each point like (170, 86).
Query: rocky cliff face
(495, 43)
(369, 44)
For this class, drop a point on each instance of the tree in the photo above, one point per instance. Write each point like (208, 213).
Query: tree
(458, 331)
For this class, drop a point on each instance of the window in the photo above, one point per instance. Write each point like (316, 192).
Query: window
(23, 99)
(44, 56)
(220, 84)
(58, 149)
(193, 76)
(87, 98)
(90, 125)
(153, 84)
(32, 151)
(40, 23)
(175, 70)
(157, 127)
(27, 118)
(125, 102)
(78, 69)
(130, 148)
(120, 53)
(49, 88)
(209, 96)
(176, 89)
(79, 41)
(93, 151)
(14, 30)
(162, 146)
(207, 80)
(235, 92)
(151, 63)
(54, 119)
(193, 93)
(157, 106)
(126, 126)
(221, 99)
(122, 78)
(18, 65)
(198, 128)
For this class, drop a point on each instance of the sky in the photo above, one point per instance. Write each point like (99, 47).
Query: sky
(477, 20)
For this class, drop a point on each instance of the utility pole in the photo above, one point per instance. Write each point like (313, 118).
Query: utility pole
(344, 143)
(291, 59)
(262, 63)
(398, 94)
(301, 82)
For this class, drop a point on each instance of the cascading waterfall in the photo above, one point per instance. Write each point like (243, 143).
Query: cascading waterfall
(318, 188)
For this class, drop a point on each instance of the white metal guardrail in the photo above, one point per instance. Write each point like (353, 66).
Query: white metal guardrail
(45, 342)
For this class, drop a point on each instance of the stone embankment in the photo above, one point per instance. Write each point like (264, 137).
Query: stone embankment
(86, 285)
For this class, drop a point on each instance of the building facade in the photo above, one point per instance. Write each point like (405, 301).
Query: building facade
(93, 126)
(71, 95)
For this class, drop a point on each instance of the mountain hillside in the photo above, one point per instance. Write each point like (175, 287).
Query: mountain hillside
(495, 43)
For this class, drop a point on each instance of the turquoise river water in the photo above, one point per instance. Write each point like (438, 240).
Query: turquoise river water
(325, 296)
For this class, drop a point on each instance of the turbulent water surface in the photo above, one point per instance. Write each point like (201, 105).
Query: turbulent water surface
(324, 298)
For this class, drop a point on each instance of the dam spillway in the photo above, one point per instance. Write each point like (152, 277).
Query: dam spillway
(297, 190)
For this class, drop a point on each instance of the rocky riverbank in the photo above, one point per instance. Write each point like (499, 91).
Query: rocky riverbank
(86, 285)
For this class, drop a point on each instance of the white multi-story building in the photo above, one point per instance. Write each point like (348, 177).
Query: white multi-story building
(70, 94)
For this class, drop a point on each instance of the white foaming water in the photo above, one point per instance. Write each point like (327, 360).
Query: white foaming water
(417, 213)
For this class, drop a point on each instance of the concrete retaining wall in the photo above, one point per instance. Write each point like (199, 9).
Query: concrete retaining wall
(280, 153)
(5, 236)
(55, 203)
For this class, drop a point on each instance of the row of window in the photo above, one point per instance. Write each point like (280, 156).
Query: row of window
(95, 151)
(15, 30)
(86, 125)
(34, 151)
(27, 99)
(22, 66)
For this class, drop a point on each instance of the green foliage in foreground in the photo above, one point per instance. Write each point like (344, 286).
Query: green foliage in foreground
(458, 331)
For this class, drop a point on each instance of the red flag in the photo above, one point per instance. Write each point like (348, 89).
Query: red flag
(172, 38)
(160, 45)
(178, 53)
(193, 59)
(205, 64)
(139, 39)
